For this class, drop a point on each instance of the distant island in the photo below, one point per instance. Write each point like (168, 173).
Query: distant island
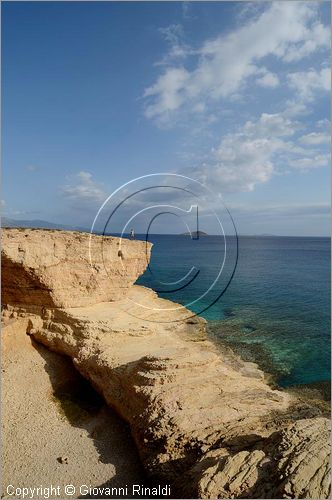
(194, 234)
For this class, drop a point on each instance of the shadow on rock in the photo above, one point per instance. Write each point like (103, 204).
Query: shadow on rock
(84, 408)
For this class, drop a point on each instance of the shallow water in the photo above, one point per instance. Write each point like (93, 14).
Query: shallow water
(276, 310)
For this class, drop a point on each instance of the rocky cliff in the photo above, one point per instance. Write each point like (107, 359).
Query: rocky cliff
(203, 420)
(68, 269)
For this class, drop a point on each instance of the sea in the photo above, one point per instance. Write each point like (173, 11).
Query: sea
(266, 297)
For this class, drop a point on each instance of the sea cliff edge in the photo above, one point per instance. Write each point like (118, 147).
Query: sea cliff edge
(208, 428)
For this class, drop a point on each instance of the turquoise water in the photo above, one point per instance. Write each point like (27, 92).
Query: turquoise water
(276, 310)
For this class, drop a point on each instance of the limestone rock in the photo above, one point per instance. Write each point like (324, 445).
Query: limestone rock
(179, 395)
(68, 269)
(303, 459)
(206, 422)
(290, 463)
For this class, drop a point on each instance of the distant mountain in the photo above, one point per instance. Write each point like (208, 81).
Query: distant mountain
(40, 224)
(195, 234)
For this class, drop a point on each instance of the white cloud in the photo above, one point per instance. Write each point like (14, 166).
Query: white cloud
(172, 33)
(226, 68)
(315, 138)
(245, 158)
(269, 80)
(258, 150)
(83, 190)
(174, 36)
(169, 87)
(316, 37)
(306, 83)
(242, 163)
(316, 161)
(199, 107)
(224, 64)
(324, 124)
(271, 125)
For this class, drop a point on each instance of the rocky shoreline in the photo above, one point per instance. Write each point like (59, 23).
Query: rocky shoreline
(208, 426)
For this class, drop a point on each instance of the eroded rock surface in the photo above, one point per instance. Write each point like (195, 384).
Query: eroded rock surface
(290, 463)
(55, 429)
(68, 269)
(211, 426)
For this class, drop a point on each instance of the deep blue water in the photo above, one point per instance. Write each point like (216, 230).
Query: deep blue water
(276, 309)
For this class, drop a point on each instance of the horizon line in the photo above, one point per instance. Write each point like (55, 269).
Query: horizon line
(117, 234)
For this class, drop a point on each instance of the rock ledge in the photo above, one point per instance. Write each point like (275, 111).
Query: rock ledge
(208, 427)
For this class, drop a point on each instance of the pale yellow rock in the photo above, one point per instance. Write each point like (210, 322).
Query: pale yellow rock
(303, 457)
(68, 269)
(291, 463)
(51, 432)
(205, 422)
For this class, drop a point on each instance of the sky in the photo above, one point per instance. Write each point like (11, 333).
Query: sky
(235, 95)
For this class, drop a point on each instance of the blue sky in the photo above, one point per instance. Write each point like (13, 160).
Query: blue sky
(232, 94)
